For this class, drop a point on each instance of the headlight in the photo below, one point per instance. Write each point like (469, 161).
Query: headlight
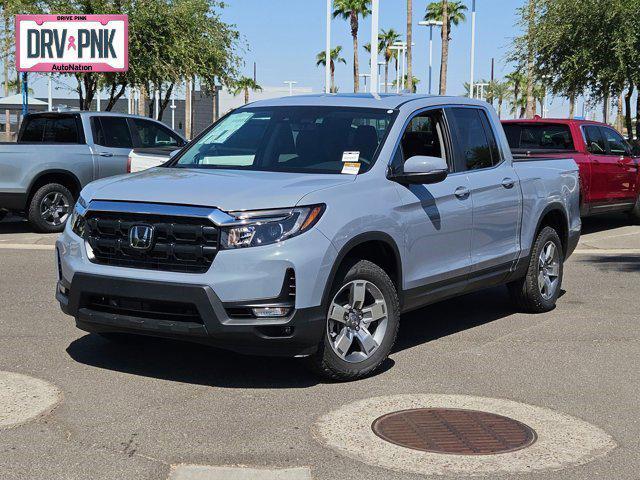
(77, 220)
(264, 227)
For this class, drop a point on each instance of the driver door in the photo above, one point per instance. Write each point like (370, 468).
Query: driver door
(436, 218)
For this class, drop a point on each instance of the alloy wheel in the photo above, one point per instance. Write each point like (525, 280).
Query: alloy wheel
(548, 270)
(357, 321)
(54, 208)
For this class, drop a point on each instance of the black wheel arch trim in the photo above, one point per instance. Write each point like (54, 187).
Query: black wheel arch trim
(353, 243)
(554, 206)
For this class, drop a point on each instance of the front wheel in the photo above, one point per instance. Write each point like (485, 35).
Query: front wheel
(539, 289)
(363, 316)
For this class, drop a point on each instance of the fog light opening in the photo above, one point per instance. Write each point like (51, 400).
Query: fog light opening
(270, 312)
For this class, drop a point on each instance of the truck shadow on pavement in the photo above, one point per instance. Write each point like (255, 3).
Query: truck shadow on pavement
(203, 365)
(604, 222)
(15, 225)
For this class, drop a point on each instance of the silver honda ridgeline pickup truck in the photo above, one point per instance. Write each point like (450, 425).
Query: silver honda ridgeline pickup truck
(305, 226)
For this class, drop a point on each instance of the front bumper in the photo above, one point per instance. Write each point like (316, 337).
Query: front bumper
(297, 334)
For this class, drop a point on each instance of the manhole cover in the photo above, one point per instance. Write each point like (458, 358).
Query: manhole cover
(453, 431)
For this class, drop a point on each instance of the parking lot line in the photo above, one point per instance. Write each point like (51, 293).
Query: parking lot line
(25, 246)
(205, 472)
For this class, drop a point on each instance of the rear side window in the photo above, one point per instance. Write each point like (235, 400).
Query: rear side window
(111, 132)
(539, 136)
(153, 135)
(474, 139)
(595, 140)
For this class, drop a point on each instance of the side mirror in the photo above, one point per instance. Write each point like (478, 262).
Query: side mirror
(423, 170)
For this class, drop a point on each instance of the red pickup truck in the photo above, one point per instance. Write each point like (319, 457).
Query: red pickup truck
(609, 173)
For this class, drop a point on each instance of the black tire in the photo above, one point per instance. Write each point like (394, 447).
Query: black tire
(525, 291)
(634, 215)
(37, 219)
(325, 361)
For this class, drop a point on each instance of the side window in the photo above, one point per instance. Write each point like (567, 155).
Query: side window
(112, 132)
(617, 145)
(34, 130)
(153, 135)
(61, 130)
(470, 133)
(595, 140)
(423, 136)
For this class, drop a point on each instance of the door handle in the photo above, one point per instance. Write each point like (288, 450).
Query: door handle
(462, 193)
(105, 154)
(508, 182)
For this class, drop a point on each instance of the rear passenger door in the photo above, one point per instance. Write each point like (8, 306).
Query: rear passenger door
(112, 144)
(495, 193)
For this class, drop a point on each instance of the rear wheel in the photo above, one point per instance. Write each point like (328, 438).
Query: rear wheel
(50, 207)
(539, 289)
(362, 323)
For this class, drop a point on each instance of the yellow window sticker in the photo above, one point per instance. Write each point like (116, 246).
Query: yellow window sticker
(351, 168)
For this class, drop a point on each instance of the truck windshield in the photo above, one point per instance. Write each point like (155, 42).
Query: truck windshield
(292, 139)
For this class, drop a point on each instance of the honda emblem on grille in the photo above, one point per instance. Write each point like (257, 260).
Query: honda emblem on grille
(141, 237)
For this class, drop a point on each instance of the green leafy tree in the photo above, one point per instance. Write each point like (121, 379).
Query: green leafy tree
(386, 39)
(244, 85)
(451, 14)
(501, 92)
(414, 83)
(335, 57)
(351, 11)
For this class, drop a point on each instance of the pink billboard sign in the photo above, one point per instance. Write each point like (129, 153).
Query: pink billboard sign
(72, 43)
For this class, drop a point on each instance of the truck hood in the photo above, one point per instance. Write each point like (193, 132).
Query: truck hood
(225, 189)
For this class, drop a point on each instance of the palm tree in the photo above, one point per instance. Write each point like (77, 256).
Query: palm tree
(334, 57)
(500, 91)
(386, 40)
(450, 13)
(516, 80)
(245, 84)
(350, 10)
(414, 83)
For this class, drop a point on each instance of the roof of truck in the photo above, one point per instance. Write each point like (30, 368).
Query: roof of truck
(363, 100)
(562, 121)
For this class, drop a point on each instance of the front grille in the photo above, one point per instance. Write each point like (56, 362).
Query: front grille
(180, 244)
(151, 309)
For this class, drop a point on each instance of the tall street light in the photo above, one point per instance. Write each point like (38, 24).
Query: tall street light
(430, 24)
(327, 51)
(399, 48)
(291, 83)
(473, 44)
(375, 10)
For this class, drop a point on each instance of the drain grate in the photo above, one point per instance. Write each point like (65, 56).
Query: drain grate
(453, 431)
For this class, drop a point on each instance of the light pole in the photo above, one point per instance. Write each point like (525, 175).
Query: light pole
(50, 96)
(375, 4)
(291, 83)
(380, 79)
(364, 77)
(398, 47)
(473, 44)
(327, 51)
(430, 24)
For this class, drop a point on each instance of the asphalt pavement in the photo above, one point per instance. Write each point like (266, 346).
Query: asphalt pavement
(157, 409)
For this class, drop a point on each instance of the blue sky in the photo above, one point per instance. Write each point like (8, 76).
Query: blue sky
(284, 36)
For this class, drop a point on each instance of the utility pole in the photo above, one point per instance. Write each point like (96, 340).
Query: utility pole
(531, 101)
(375, 8)
(187, 109)
(327, 51)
